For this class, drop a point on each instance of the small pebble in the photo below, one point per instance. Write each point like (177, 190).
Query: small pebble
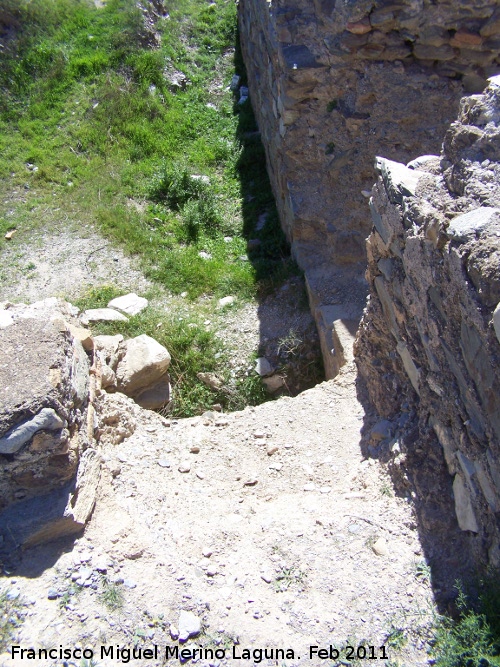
(185, 467)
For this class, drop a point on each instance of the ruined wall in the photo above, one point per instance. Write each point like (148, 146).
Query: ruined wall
(332, 85)
(429, 342)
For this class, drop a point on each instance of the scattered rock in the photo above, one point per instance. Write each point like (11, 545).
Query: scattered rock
(211, 380)
(185, 467)
(263, 367)
(144, 363)
(102, 315)
(189, 625)
(272, 449)
(52, 594)
(13, 594)
(130, 304)
(380, 547)
(250, 482)
(273, 383)
(226, 301)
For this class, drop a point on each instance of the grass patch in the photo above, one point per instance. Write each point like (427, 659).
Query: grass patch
(111, 595)
(96, 134)
(474, 639)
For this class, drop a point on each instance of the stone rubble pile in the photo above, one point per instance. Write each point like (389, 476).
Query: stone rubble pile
(53, 411)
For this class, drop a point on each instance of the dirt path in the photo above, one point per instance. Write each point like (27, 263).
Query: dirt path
(277, 535)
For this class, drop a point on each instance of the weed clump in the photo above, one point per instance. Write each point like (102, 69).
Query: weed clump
(474, 639)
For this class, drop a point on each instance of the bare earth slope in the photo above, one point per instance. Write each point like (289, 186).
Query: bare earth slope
(276, 535)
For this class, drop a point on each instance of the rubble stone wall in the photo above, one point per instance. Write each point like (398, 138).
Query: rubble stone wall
(334, 84)
(429, 342)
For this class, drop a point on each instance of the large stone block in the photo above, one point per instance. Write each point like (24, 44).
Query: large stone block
(144, 363)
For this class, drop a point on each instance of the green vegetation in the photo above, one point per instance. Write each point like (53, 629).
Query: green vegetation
(111, 595)
(107, 124)
(474, 639)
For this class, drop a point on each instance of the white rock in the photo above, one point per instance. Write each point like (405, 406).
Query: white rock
(102, 315)
(108, 348)
(226, 301)
(496, 321)
(273, 383)
(263, 367)
(189, 625)
(380, 547)
(131, 304)
(6, 319)
(144, 363)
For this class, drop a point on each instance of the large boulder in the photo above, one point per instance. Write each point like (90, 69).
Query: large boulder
(144, 363)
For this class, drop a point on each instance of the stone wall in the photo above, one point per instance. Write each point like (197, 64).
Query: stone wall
(429, 342)
(332, 85)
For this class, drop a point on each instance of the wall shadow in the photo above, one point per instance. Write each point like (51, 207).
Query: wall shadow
(415, 462)
(288, 335)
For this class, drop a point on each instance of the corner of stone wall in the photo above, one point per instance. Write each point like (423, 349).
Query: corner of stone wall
(429, 340)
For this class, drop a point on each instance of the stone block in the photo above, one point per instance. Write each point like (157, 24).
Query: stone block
(110, 349)
(83, 336)
(399, 181)
(380, 224)
(409, 365)
(102, 315)
(61, 513)
(491, 496)
(155, 397)
(468, 226)
(130, 304)
(447, 442)
(337, 327)
(299, 56)
(427, 52)
(387, 306)
(463, 506)
(144, 363)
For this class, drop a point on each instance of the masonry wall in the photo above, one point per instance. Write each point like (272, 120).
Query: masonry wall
(429, 342)
(333, 84)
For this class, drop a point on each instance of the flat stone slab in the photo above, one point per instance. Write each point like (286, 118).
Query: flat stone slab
(103, 315)
(466, 227)
(130, 304)
(399, 181)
